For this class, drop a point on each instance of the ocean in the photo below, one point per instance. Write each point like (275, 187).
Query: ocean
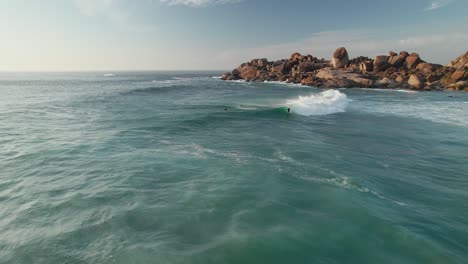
(181, 167)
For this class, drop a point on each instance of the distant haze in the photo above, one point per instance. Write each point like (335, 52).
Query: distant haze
(87, 35)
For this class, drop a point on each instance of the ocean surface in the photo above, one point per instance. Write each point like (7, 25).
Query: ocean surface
(181, 167)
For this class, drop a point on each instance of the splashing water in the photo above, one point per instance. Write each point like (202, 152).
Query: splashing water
(324, 103)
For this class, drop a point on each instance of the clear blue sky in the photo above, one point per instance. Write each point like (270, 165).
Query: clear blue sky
(56, 35)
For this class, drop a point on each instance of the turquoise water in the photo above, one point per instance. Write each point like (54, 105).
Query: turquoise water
(151, 168)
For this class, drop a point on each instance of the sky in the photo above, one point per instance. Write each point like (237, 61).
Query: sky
(119, 35)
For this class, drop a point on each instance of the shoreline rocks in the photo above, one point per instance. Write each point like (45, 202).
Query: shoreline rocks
(395, 70)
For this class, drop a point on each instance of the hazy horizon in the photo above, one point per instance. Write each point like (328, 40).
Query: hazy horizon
(215, 35)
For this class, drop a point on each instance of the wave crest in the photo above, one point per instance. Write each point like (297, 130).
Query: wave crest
(324, 103)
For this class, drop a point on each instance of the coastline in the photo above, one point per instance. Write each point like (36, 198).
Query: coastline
(395, 71)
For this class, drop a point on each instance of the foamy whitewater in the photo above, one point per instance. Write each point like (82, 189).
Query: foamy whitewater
(181, 167)
(323, 103)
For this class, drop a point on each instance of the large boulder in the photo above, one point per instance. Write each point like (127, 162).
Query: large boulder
(262, 62)
(415, 82)
(340, 58)
(278, 67)
(380, 63)
(236, 73)
(412, 61)
(295, 56)
(404, 53)
(248, 73)
(362, 82)
(325, 74)
(397, 60)
(459, 75)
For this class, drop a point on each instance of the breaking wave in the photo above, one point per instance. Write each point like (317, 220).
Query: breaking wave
(324, 103)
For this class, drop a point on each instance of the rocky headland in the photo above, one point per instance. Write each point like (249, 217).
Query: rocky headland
(395, 70)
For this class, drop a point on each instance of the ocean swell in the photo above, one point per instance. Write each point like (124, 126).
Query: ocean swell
(324, 103)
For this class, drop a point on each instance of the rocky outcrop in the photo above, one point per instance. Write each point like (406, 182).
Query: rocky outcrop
(415, 82)
(460, 62)
(340, 58)
(395, 70)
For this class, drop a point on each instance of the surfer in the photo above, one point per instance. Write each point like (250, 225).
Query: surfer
(289, 109)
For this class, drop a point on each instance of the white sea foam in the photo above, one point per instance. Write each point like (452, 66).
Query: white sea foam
(108, 75)
(164, 81)
(238, 81)
(346, 183)
(324, 103)
(447, 112)
(284, 83)
(387, 90)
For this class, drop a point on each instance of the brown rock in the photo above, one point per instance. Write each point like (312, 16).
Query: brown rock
(459, 75)
(362, 82)
(295, 55)
(400, 79)
(432, 78)
(310, 81)
(366, 66)
(380, 63)
(415, 82)
(325, 74)
(404, 53)
(397, 61)
(412, 61)
(460, 62)
(248, 72)
(340, 58)
(278, 67)
(262, 74)
(236, 73)
(461, 85)
(227, 76)
(307, 67)
(337, 83)
(424, 66)
(262, 62)
(384, 82)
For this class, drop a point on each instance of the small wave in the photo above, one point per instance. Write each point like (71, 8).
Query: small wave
(237, 81)
(346, 183)
(324, 103)
(284, 83)
(387, 90)
(163, 81)
(108, 75)
(157, 89)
